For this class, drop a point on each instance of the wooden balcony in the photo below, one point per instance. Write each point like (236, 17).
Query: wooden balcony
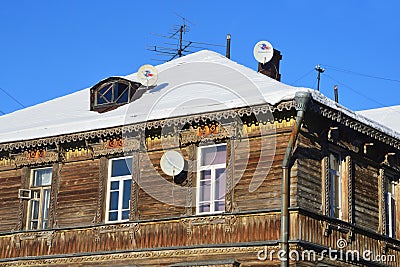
(251, 230)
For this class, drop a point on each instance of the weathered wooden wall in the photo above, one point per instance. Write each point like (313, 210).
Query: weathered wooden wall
(77, 193)
(10, 182)
(309, 182)
(268, 194)
(150, 176)
(366, 198)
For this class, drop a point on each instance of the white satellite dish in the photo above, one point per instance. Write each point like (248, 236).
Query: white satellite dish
(147, 75)
(172, 163)
(263, 52)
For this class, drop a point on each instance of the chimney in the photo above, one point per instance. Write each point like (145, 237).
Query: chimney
(271, 68)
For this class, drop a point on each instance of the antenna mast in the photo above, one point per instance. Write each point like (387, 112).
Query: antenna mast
(180, 47)
(319, 70)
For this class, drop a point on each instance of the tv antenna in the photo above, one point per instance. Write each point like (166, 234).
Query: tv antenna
(178, 46)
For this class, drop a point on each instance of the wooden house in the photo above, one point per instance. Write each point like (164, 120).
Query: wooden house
(268, 169)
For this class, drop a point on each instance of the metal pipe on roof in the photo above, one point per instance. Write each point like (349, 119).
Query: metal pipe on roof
(336, 91)
(228, 45)
(302, 99)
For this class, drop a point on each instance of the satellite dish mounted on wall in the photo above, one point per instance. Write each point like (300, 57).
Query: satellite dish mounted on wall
(147, 75)
(173, 164)
(263, 52)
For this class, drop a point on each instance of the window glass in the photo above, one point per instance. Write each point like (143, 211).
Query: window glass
(105, 94)
(114, 199)
(126, 194)
(113, 93)
(42, 177)
(121, 167)
(220, 184)
(390, 203)
(335, 180)
(205, 194)
(213, 155)
(121, 93)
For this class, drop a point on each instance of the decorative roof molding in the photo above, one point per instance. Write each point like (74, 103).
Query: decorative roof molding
(325, 111)
(179, 254)
(336, 115)
(139, 127)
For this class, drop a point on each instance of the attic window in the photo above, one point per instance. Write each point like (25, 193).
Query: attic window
(112, 93)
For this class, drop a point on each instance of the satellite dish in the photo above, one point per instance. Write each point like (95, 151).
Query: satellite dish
(263, 51)
(147, 75)
(172, 163)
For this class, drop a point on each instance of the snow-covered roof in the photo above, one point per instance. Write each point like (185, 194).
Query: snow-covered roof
(198, 83)
(388, 116)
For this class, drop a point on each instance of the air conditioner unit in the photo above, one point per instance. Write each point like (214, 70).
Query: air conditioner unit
(24, 194)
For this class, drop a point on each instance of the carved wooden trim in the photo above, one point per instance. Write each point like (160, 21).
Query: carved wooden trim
(381, 203)
(325, 186)
(346, 188)
(115, 147)
(191, 149)
(53, 195)
(76, 154)
(25, 178)
(350, 196)
(7, 163)
(103, 175)
(360, 127)
(132, 228)
(230, 153)
(17, 239)
(36, 157)
(137, 255)
(227, 220)
(133, 213)
(192, 135)
(140, 127)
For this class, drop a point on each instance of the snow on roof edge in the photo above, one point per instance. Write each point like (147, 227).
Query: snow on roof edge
(214, 57)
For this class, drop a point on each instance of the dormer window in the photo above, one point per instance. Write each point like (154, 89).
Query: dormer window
(112, 93)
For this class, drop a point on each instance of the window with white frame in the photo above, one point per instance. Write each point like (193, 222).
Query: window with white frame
(39, 204)
(211, 179)
(335, 182)
(119, 189)
(390, 202)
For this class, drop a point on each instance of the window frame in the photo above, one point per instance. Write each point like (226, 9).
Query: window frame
(390, 202)
(338, 188)
(41, 201)
(114, 100)
(213, 169)
(121, 180)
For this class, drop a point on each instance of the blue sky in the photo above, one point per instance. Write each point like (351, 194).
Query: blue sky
(52, 48)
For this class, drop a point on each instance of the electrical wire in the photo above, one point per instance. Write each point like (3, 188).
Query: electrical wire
(303, 76)
(13, 98)
(355, 91)
(361, 74)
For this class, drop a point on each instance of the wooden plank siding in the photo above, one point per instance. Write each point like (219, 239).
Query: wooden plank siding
(268, 195)
(366, 196)
(309, 179)
(150, 175)
(77, 193)
(10, 182)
